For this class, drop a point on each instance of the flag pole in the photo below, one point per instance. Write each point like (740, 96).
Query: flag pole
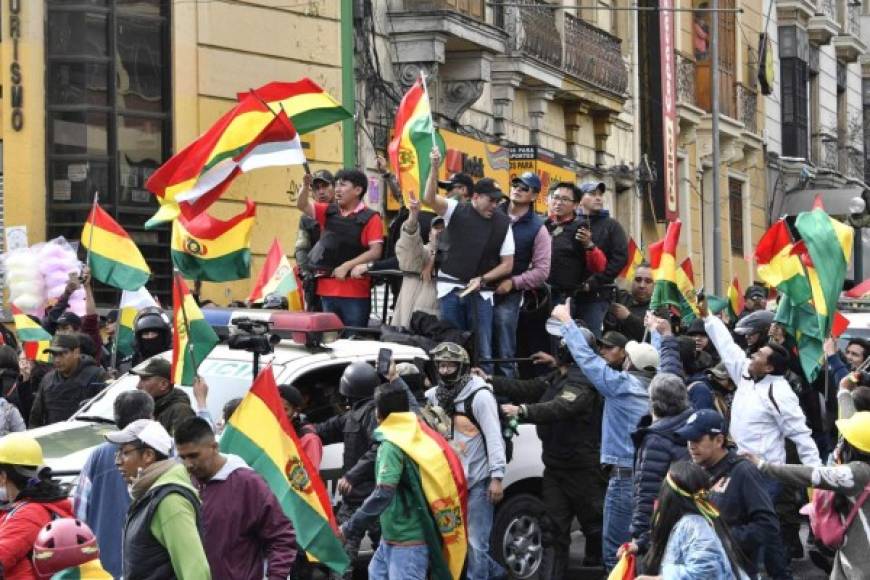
(187, 326)
(114, 359)
(428, 102)
(91, 236)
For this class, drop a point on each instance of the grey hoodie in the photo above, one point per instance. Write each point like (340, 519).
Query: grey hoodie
(482, 454)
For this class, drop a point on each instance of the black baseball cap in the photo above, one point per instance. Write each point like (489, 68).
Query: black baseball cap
(324, 176)
(700, 423)
(613, 338)
(591, 186)
(488, 186)
(154, 367)
(63, 343)
(458, 179)
(755, 291)
(70, 319)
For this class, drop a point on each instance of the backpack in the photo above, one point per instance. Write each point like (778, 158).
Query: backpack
(826, 522)
(507, 425)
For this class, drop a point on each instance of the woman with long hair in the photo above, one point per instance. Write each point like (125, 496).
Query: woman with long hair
(34, 500)
(688, 539)
(849, 479)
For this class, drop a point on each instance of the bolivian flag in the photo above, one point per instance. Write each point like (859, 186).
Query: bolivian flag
(779, 267)
(686, 284)
(34, 339)
(307, 105)
(414, 138)
(213, 250)
(278, 277)
(91, 570)
(439, 483)
(260, 433)
(635, 258)
(666, 272)
(113, 257)
(192, 337)
(132, 301)
(736, 302)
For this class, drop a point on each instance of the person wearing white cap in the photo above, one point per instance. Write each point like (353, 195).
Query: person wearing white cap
(626, 399)
(162, 536)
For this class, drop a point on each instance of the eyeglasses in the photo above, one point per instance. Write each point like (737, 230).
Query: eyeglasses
(557, 198)
(122, 452)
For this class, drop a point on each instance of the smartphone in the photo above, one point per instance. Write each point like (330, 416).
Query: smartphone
(385, 356)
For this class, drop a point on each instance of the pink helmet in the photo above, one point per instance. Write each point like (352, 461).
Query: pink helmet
(63, 543)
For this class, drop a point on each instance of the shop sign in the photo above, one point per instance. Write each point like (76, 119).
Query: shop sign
(550, 167)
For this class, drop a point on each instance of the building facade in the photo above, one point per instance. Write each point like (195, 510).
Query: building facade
(98, 93)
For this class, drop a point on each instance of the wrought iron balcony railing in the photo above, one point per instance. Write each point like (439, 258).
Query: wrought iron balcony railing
(685, 79)
(594, 56)
(748, 102)
(532, 31)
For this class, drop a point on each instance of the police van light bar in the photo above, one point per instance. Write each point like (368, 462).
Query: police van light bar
(308, 328)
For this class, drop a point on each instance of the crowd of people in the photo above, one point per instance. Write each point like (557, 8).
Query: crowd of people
(688, 444)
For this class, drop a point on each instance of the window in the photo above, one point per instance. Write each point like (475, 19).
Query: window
(727, 57)
(795, 138)
(108, 119)
(735, 214)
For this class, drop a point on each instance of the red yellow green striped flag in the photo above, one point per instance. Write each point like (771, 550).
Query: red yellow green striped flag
(635, 258)
(414, 137)
(663, 261)
(736, 301)
(192, 337)
(307, 105)
(442, 489)
(686, 284)
(778, 266)
(91, 570)
(206, 248)
(34, 339)
(260, 433)
(113, 256)
(278, 277)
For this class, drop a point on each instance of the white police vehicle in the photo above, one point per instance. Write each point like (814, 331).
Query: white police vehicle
(308, 358)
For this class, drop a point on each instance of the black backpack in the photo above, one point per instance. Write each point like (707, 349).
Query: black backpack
(508, 430)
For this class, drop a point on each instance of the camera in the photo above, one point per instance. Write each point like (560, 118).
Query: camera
(252, 335)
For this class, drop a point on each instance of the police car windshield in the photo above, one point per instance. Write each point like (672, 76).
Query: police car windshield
(227, 379)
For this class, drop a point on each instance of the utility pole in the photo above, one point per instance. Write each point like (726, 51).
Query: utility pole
(714, 97)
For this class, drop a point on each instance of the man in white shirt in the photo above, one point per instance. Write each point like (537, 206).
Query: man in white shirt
(478, 253)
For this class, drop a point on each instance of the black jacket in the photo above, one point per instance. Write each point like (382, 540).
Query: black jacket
(567, 411)
(172, 408)
(356, 429)
(59, 397)
(737, 489)
(608, 235)
(632, 327)
(656, 447)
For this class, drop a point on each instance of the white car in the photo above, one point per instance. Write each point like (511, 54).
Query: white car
(316, 370)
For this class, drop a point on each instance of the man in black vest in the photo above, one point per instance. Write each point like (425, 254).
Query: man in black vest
(322, 184)
(574, 256)
(604, 232)
(352, 234)
(530, 271)
(162, 534)
(628, 310)
(478, 251)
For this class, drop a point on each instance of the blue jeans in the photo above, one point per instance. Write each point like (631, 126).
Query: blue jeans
(395, 562)
(352, 311)
(471, 313)
(617, 518)
(773, 557)
(506, 315)
(593, 314)
(480, 565)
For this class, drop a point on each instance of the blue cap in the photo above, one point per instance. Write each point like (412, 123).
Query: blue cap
(530, 180)
(700, 423)
(591, 186)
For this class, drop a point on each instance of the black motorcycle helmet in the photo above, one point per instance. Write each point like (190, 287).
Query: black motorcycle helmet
(152, 319)
(359, 381)
(275, 301)
(757, 322)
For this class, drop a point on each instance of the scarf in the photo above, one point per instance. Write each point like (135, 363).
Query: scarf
(149, 476)
(446, 394)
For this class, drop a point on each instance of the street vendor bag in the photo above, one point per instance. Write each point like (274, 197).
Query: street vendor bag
(828, 525)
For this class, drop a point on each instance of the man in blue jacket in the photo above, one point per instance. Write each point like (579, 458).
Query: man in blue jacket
(101, 497)
(737, 488)
(625, 401)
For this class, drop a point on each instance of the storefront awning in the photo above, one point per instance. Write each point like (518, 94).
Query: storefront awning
(836, 201)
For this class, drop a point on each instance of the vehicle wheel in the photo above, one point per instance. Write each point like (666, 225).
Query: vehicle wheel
(517, 536)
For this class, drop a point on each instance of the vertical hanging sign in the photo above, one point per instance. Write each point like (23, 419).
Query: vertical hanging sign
(669, 109)
(16, 92)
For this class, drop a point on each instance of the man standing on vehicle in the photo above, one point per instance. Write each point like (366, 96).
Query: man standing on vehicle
(479, 252)
(237, 541)
(628, 310)
(477, 438)
(351, 234)
(566, 411)
(171, 404)
(322, 184)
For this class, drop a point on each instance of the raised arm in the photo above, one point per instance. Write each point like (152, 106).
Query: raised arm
(431, 197)
(303, 201)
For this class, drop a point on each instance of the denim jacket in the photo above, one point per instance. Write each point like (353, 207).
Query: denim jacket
(625, 394)
(694, 551)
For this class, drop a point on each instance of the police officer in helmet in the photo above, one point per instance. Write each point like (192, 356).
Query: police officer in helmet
(152, 334)
(355, 428)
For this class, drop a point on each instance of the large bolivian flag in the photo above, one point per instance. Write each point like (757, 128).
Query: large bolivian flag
(34, 339)
(307, 105)
(439, 483)
(113, 257)
(192, 337)
(635, 258)
(260, 433)
(213, 250)
(414, 137)
(663, 260)
(779, 267)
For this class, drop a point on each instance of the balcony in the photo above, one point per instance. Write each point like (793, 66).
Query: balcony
(823, 25)
(748, 108)
(685, 79)
(532, 31)
(471, 8)
(727, 91)
(848, 44)
(594, 56)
